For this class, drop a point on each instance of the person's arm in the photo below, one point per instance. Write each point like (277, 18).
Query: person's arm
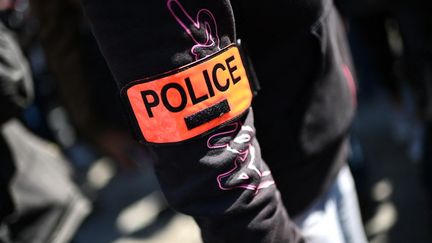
(61, 35)
(220, 178)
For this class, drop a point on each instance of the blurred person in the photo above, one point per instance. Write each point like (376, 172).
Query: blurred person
(391, 40)
(69, 51)
(373, 25)
(38, 201)
(177, 66)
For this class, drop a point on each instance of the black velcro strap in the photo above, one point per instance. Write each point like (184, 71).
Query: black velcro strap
(207, 114)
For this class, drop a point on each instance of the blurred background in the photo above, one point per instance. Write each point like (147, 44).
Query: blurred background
(101, 187)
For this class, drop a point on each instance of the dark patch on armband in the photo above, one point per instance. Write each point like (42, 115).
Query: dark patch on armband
(207, 114)
(193, 100)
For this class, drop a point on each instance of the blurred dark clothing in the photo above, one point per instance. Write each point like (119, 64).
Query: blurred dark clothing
(15, 95)
(15, 77)
(60, 35)
(38, 201)
(368, 22)
(85, 84)
(355, 8)
(427, 162)
(6, 173)
(78, 68)
(48, 206)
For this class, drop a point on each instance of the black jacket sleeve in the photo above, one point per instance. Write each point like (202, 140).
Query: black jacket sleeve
(219, 179)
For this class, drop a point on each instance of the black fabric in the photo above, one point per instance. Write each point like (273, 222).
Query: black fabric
(15, 94)
(368, 21)
(41, 203)
(301, 128)
(6, 173)
(15, 80)
(145, 39)
(48, 207)
(303, 113)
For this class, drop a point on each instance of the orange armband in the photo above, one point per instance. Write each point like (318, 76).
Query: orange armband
(192, 100)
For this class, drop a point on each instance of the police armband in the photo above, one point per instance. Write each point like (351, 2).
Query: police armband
(192, 100)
